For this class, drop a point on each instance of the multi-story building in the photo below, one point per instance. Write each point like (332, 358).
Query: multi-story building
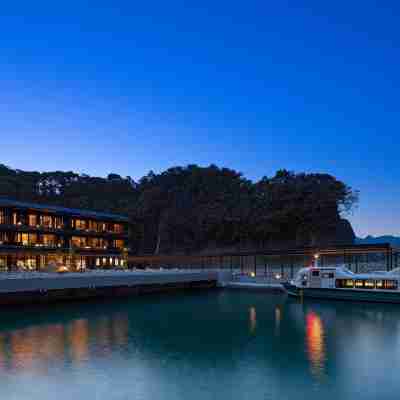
(41, 237)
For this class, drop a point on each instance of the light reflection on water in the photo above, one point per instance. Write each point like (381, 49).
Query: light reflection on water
(315, 343)
(253, 319)
(225, 345)
(36, 348)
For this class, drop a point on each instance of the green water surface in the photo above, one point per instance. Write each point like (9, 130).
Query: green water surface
(221, 344)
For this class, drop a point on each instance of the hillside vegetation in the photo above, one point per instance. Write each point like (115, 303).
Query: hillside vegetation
(186, 209)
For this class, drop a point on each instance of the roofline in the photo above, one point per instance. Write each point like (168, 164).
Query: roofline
(6, 202)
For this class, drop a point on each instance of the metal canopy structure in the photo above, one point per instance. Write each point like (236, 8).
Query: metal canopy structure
(357, 254)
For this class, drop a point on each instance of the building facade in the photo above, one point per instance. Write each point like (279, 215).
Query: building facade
(36, 237)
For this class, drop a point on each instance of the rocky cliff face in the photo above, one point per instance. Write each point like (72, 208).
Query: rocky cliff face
(341, 234)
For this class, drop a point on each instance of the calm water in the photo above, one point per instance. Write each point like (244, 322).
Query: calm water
(210, 345)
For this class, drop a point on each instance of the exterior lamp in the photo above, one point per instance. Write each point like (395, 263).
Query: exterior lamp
(252, 274)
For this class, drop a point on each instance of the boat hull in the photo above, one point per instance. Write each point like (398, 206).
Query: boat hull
(343, 294)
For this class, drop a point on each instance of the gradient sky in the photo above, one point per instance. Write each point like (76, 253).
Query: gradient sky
(129, 86)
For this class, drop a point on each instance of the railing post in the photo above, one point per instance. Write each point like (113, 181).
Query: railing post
(387, 260)
(291, 268)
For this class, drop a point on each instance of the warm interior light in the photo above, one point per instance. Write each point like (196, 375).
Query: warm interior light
(316, 256)
(62, 269)
(252, 274)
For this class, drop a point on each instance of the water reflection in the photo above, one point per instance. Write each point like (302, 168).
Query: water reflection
(253, 319)
(315, 343)
(278, 319)
(78, 337)
(35, 348)
(222, 344)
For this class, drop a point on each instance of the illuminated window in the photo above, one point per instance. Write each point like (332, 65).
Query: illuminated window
(392, 285)
(80, 224)
(359, 283)
(118, 228)
(3, 263)
(95, 226)
(369, 284)
(119, 244)
(27, 239)
(79, 241)
(81, 263)
(46, 221)
(2, 217)
(58, 222)
(97, 262)
(3, 237)
(30, 263)
(14, 218)
(49, 240)
(97, 243)
(379, 284)
(32, 220)
(349, 283)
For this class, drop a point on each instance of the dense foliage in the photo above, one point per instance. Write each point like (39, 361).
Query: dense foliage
(190, 208)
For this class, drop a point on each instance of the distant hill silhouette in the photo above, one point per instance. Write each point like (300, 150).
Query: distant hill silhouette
(393, 240)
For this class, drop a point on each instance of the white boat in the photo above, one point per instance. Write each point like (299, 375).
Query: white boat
(342, 284)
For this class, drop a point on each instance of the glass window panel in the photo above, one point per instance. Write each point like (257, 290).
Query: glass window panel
(32, 220)
(379, 284)
(369, 284)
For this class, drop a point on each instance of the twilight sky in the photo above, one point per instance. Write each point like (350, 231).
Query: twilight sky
(129, 86)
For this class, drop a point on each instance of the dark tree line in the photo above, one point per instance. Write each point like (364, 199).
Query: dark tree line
(192, 208)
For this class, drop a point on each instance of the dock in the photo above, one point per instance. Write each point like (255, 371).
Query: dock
(33, 287)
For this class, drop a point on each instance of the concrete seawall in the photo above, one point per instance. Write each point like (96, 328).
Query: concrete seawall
(46, 287)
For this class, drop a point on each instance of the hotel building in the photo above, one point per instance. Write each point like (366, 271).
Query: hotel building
(43, 237)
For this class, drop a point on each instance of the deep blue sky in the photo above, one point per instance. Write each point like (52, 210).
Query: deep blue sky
(129, 86)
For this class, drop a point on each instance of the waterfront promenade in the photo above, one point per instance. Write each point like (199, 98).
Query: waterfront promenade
(46, 287)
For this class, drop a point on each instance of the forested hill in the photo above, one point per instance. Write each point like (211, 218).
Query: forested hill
(194, 208)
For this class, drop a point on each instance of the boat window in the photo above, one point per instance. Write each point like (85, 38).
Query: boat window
(339, 283)
(348, 283)
(359, 283)
(329, 275)
(344, 283)
(369, 284)
(391, 285)
(379, 284)
(315, 273)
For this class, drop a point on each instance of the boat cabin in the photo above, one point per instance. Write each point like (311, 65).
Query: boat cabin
(342, 278)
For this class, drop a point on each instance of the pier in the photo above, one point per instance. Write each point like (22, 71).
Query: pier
(17, 288)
